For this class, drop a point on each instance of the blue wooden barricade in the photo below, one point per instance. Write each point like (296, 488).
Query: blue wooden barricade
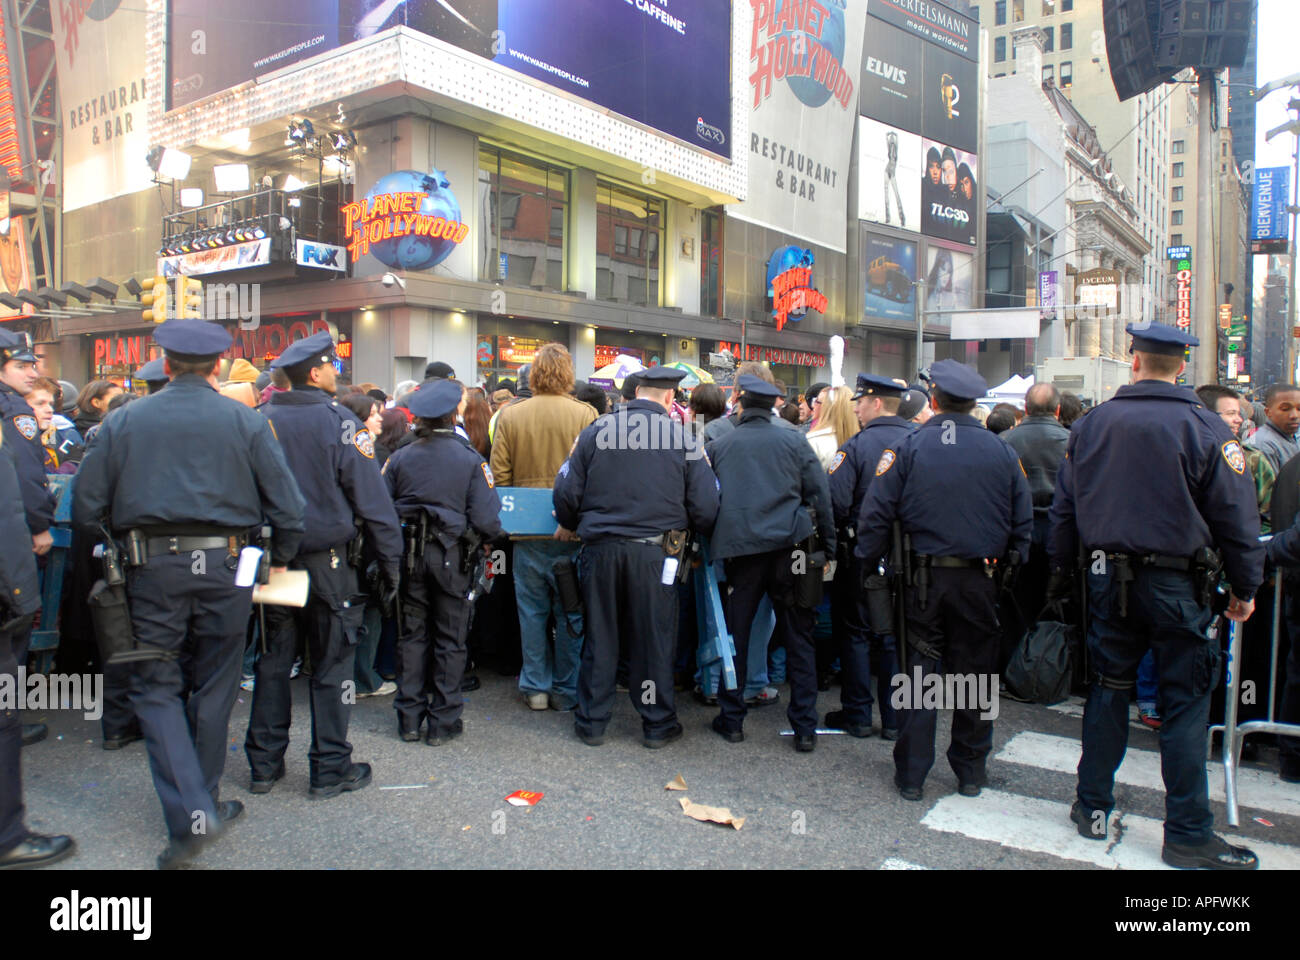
(527, 512)
(45, 638)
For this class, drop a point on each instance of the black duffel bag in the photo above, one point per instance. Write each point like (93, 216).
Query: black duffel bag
(1042, 667)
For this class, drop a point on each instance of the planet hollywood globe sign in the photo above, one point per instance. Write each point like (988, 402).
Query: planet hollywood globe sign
(408, 220)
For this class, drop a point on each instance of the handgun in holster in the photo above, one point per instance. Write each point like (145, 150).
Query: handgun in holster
(414, 533)
(111, 613)
(357, 545)
(471, 553)
(1123, 577)
(846, 538)
(1207, 569)
(809, 585)
(1007, 571)
(677, 543)
(921, 573)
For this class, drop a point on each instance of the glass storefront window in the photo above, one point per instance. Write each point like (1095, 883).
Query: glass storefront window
(711, 264)
(629, 229)
(524, 204)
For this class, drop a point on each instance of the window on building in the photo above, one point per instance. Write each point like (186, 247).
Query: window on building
(1000, 50)
(629, 228)
(1177, 218)
(1067, 73)
(1178, 170)
(1067, 6)
(1223, 149)
(527, 212)
(1017, 11)
(1067, 36)
(1051, 39)
(999, 269)
(1178, 146)
(1048, 73)
(711, 264)
(1000, 13)
(1175, 239)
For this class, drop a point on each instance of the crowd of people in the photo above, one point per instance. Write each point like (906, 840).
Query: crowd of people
(403, 513)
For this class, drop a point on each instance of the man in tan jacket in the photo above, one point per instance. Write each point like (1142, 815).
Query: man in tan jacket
(533, 438)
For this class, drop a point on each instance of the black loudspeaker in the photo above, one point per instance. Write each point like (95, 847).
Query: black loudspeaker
(1203, 33)
(1131, 28)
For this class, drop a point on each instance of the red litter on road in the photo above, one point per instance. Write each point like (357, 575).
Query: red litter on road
(1263, 821)
(525, 798)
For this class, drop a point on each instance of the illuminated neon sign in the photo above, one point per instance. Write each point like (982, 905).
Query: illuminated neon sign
(789, 284)
(1183, 305)
(408, 219)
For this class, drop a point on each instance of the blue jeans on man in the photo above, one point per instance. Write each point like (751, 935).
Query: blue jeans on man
(538, 598)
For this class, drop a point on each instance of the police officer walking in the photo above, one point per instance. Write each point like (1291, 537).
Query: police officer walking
(1152, 571)
(443, 491)
(633, 487)
(770, 480)
(965, 508)
(332, 457)
(183, 477)
(865, 648)
(20, 599)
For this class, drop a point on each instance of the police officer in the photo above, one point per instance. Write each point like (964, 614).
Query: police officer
(634, 484)
(444, 493)
(1151, 573)
(183, 477)
(964, 503)
(864, 647)
(332, 457)
(23, 437)
(20, 599)
(152, 376)
(770, 479)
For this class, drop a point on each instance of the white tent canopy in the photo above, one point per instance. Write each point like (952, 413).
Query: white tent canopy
(1012, 391)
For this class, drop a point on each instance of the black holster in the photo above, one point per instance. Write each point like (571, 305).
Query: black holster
(1207, 571)
(414, 534)
(566, 583)
(880, 603)
(1123, 577)
(921, 571)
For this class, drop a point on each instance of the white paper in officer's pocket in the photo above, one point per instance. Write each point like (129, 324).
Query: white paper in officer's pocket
(246, 573)
(287, 589)
(830, 570)
(670, 571)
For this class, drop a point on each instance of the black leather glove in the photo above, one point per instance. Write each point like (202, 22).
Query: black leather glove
(390, 584)
(1060, 584)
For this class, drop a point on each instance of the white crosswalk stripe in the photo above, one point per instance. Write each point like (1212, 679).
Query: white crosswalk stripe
(894, 863)
(1257, 789)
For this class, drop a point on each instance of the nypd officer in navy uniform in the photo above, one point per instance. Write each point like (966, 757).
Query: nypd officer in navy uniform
(332, 457)
(1150, 483)
(20, 600)
(441, 476)
(186, 475)
(152, 376)
(770, 477)
(963, 499)
(865, 648)
(632, 477)
(23, 437)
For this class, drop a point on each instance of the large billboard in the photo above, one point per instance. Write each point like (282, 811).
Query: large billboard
(891, 164)
(933, 21)
(667, 67)
(949, 193)
(949, 278)
(102, 90)
(1272, 193)
(889, 268)
(803, 72)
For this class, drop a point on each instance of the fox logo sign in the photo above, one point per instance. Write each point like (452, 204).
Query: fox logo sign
(322, 256)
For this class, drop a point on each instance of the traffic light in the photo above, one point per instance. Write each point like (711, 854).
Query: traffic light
(154, 296)
(190, 298)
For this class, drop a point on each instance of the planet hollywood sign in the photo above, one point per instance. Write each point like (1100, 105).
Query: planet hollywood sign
(796, 358)
(414, 229)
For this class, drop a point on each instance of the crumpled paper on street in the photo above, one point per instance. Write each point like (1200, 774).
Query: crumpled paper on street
(697, 811)
(677, 783)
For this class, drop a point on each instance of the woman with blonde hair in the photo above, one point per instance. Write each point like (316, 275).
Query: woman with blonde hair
(835, 424)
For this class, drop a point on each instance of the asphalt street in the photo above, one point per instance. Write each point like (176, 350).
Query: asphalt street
(606, 807)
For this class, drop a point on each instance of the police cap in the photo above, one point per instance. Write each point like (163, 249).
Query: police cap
(192, 341)
(870, 385)
(661, 378)
(314, 351)
(1160, 338)
(14, 346)
(958, 380)
(756, 386)
(151, 372)
(434, 399)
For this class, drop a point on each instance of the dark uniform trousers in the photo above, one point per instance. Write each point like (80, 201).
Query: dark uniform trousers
(432, 647)
(1163, 614)
(622, 596)
(184, 705)
(13, 639)
(748, 578)
(864, 653)
(329, 623)
(960, 622)
(1289, 747)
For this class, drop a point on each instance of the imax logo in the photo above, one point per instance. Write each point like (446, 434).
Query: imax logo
(707, 131)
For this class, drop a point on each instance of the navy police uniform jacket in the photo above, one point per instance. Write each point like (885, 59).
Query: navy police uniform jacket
(635, 473)
(854, 466)
(23, 438)
(332, 457)
(958, 489)
(446, 478)
(1151, 471)
(20, 592)
(769, 476)
(189, 457)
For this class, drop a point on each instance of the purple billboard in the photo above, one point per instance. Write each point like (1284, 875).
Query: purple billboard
(666, 68)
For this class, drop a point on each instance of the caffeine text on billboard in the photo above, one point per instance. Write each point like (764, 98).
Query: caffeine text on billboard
(394, 215)
(791, 54)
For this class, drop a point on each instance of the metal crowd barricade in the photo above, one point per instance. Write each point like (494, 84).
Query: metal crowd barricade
(527, 513)
(45, 638)
(1234, 733)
